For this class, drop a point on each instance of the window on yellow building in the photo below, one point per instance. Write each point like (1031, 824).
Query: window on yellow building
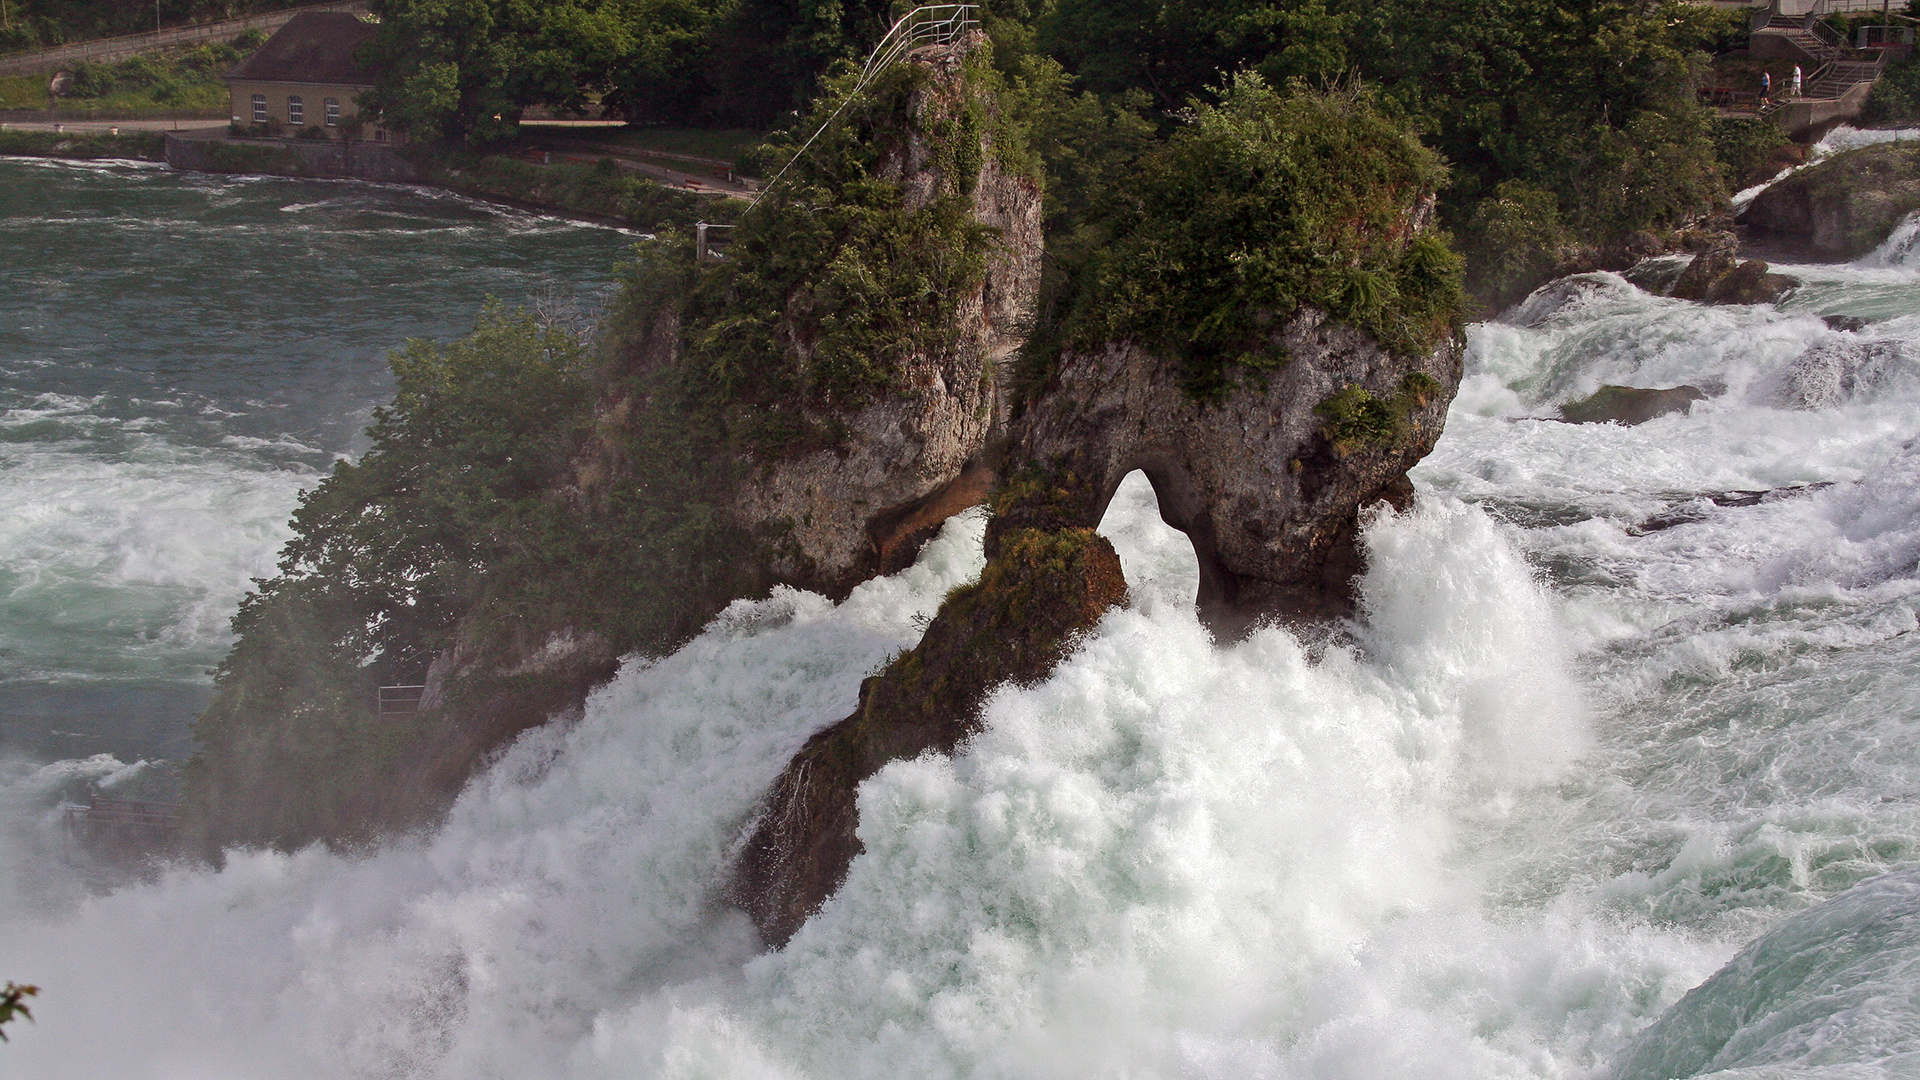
(296, 111)
(259, 108)
(333, 112)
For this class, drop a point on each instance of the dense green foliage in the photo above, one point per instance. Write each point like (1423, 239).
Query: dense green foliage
(1590, 102)
(1896, 97)
(390, 548)
(836, 277)
(1747, 149)
(463, 69)
(452, 513)
(1562, 123)
(163, 83)
(1257, 205)
(38, 24)
(89, 145)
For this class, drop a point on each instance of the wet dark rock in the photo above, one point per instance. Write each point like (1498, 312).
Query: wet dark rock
(1039, 589)
(1691, 508)
(1843, 207)
(1630, 405)
(1845, 323)
(1716, 277)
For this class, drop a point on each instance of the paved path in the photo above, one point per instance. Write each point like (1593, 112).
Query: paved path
(110, 125)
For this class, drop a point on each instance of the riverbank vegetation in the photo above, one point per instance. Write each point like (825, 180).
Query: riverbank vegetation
(169, 83)
(84, 145)
(601, 191)
(40, 24)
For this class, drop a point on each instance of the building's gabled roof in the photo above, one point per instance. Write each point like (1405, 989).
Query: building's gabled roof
(313, 47)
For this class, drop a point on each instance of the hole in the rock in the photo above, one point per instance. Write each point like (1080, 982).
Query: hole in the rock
(1156, 556)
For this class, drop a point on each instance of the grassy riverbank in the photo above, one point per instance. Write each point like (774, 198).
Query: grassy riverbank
(162, 85)
(84, 145)
(601, 191)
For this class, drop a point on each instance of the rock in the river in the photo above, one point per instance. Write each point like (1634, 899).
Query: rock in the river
(1267, 484)
(1839, 371)
(1716, 277)
(1630, 404)
(901, 464)
(1843, 207)
(1264, 425)
(1039, 589)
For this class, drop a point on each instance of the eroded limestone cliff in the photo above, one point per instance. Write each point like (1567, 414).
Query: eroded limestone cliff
(908, 460)
(1264, 440)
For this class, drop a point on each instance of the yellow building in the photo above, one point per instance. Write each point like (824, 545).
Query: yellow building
(305, 81)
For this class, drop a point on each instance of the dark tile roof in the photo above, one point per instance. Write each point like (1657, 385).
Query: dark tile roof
(315, 47)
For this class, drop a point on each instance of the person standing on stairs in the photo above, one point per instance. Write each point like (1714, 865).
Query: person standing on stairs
(1795, 92)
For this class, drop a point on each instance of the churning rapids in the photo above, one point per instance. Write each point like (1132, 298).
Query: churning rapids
(1612, 726)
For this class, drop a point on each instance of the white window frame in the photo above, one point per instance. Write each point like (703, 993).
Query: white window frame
(296, 111)
(259, 108)
(333, 112)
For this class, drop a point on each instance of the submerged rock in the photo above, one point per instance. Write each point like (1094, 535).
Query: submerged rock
(1843, 207)
(1630, 405)
(1835, 372)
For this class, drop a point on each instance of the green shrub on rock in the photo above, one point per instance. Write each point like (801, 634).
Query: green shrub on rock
(1262, 202)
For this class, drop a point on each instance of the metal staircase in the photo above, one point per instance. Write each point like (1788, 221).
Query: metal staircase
(1837, 78)
(931, 24)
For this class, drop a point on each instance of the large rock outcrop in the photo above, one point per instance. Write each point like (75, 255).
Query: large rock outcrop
(673, 498)
(1843, 207)
(1039, 588)
(1268, 483)
(900, 465)
(1263, 440)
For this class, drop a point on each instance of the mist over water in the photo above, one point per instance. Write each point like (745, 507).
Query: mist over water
(179, 356)
(1622, 705)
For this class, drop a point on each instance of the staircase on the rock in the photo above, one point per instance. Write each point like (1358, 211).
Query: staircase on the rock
(1837, 78)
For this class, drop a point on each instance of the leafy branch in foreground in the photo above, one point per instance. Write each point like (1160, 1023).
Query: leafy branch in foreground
(13, 1003)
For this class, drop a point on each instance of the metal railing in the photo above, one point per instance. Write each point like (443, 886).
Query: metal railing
(708, 248)
(931, 24)
(399, 700)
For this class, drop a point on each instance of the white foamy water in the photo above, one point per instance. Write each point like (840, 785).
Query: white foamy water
(1625, 711)
(180, 355)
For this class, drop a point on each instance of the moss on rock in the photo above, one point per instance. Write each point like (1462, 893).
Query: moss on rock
(1040, 589)
(1843, 207)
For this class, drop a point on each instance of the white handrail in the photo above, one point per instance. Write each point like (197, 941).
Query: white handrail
(930, 24)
